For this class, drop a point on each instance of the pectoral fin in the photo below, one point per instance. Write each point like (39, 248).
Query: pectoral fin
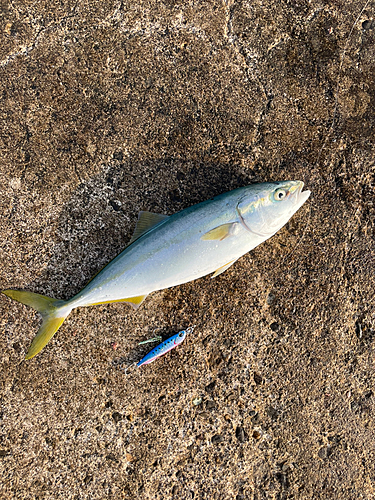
(220, 232)
(146, 221)
(223, 268)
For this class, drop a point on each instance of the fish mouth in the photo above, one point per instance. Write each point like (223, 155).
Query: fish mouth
(301, 196)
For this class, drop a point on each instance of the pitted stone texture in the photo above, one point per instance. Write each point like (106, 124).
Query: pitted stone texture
(109, 108)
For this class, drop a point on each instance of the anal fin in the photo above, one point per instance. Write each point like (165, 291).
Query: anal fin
(223, 268)
(134, 301)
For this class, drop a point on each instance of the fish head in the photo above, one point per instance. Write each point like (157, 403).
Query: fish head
(265, 208)
(180, 337)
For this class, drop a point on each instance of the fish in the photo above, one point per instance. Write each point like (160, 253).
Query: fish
(166, 251)
(165, 347)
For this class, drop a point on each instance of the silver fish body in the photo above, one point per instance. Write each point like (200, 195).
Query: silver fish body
(173, 252)
(168, 251)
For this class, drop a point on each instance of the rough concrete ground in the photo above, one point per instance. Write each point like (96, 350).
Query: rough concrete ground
(108, 108)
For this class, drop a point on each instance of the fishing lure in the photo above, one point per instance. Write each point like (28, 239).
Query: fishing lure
(165, 346)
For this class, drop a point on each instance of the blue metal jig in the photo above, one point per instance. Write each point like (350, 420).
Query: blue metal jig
(165, 346)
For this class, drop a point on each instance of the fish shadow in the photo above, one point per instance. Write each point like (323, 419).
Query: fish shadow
(97, 222)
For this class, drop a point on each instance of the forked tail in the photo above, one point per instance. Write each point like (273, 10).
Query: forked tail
(53, 312)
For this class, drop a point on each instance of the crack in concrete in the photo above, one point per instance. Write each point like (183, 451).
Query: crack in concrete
(250, 69)
(24, 50)
(228, 4)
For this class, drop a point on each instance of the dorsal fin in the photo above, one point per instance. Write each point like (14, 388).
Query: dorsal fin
(146, 221)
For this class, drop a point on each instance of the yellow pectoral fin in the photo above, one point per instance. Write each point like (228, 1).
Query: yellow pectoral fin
(134, 301)
(220, 232)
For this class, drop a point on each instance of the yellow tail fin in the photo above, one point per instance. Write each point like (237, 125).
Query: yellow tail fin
(49, 309)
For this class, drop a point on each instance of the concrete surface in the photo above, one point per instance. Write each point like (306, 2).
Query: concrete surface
(108, 108)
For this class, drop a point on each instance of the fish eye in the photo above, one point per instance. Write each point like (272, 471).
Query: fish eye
(279, 194)
(181, 334)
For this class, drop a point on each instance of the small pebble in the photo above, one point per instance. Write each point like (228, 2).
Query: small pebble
(204, 414)
(366, 25)
(256, 434)
(232, 396)
(270, 299)
(324, 452)
(217, 439)
(240, 434)
(116, 416)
